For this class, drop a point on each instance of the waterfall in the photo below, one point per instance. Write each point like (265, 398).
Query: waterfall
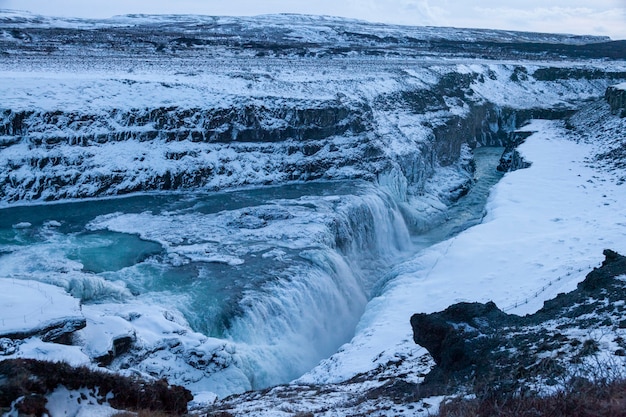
(290, 323)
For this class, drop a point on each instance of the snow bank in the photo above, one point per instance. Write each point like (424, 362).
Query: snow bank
(31, 306)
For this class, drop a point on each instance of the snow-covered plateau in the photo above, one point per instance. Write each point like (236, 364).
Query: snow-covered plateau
(236, 204)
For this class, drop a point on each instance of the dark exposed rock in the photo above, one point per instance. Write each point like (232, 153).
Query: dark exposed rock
(613, 265)
(445, 334)
(616, 97)
(511, 160)
(478, 342)
(119, 346)
(558, 73)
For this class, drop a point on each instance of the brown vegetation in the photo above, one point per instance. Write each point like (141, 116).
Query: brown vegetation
(33, 379)
(581, 398)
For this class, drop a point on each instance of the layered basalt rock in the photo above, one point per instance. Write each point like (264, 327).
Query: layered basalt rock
(58, 155)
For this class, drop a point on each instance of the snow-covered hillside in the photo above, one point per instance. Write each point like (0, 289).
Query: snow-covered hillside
(286, 35)
(284, 173)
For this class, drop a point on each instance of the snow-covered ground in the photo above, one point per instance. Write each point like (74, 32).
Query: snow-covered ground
(216, 85)
(31, 306)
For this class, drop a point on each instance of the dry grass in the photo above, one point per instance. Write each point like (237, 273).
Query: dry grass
(34, 379)
(580, 399)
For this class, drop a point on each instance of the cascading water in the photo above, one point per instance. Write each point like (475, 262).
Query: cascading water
(282, 274)
(276, 277)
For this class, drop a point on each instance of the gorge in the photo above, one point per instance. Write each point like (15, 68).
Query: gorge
(232, 200)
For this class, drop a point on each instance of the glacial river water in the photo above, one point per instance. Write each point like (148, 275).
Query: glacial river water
(270, 268)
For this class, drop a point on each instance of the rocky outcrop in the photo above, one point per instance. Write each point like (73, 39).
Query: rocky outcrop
(119, 346)
(511, 159)
(474, 343)
(300, 121)
(448, 335)
(616, 97)
(59, 331)
(56, 154)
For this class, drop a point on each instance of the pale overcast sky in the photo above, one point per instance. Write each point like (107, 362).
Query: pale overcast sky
(595, 17)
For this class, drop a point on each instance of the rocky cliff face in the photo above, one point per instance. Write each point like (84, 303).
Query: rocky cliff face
(176, 103)
(616, 97)
(58, 154)
(54, 153)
